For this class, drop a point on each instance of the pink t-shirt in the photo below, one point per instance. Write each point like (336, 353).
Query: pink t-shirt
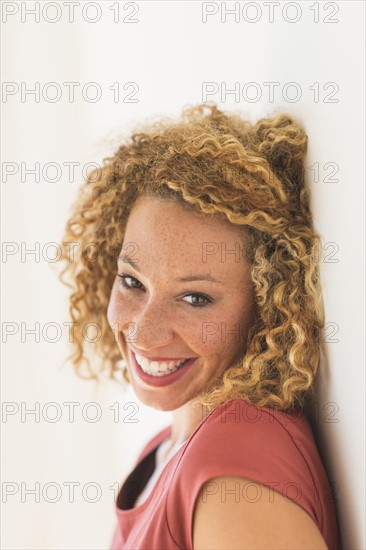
(266, 446)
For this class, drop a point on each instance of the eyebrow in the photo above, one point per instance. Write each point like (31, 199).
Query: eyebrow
(187, 278)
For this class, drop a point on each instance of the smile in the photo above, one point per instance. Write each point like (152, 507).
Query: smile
(175, 370)
(159, 368)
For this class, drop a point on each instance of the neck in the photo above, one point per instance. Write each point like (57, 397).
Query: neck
(185, 420)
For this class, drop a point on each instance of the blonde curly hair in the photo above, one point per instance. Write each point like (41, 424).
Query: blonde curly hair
(219, 164)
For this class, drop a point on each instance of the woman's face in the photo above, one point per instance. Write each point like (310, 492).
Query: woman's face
(161, 316)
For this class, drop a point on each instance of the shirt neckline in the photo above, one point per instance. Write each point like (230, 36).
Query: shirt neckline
(147, 464)
(147, 461)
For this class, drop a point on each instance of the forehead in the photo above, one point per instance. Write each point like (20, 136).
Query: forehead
(169, 221)
(169, 235)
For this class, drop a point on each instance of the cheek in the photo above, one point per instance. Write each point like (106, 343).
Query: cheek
(120, 312)
(227, 332)
(114, 309)
(203, 336)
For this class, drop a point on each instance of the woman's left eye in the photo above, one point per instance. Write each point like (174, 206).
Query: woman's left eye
(202, 296)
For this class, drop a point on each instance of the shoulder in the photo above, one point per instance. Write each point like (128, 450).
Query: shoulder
(238, 439)
(236, 512)
(266, 452)
(241, 430)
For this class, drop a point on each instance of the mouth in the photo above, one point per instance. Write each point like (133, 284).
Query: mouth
(160, 368)
(161, 379)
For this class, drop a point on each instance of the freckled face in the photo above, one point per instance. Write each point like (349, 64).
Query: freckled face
(161, 317)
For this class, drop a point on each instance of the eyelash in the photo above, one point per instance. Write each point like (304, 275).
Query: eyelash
(124, 285)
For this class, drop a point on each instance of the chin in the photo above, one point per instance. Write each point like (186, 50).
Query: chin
(162, 402)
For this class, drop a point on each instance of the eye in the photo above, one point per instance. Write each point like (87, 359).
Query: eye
(205, 300)
(123, 283)
(202, 296)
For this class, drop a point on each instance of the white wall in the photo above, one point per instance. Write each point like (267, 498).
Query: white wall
(169, 53)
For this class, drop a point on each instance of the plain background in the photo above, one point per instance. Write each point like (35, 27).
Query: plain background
(169, 53)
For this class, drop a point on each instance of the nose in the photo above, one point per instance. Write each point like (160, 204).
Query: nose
(149, 328)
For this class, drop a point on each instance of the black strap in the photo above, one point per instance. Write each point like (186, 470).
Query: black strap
(136, 482)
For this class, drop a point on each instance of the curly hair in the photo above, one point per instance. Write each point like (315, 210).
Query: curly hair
(218, 164)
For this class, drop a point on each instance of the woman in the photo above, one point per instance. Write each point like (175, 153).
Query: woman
(206, 272)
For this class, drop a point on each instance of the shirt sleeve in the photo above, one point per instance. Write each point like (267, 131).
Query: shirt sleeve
(262, 445)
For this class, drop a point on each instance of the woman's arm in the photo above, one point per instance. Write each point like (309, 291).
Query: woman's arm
(237, 513)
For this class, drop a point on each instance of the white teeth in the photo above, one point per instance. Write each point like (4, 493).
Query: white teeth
(157, 368)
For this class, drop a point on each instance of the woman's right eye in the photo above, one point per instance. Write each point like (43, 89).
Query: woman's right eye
(123, 283)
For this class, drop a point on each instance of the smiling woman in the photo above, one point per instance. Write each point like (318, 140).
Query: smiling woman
(206, 284)
(175, 303)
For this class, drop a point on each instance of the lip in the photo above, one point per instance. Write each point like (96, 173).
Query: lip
(162, 359)
(160, 381)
